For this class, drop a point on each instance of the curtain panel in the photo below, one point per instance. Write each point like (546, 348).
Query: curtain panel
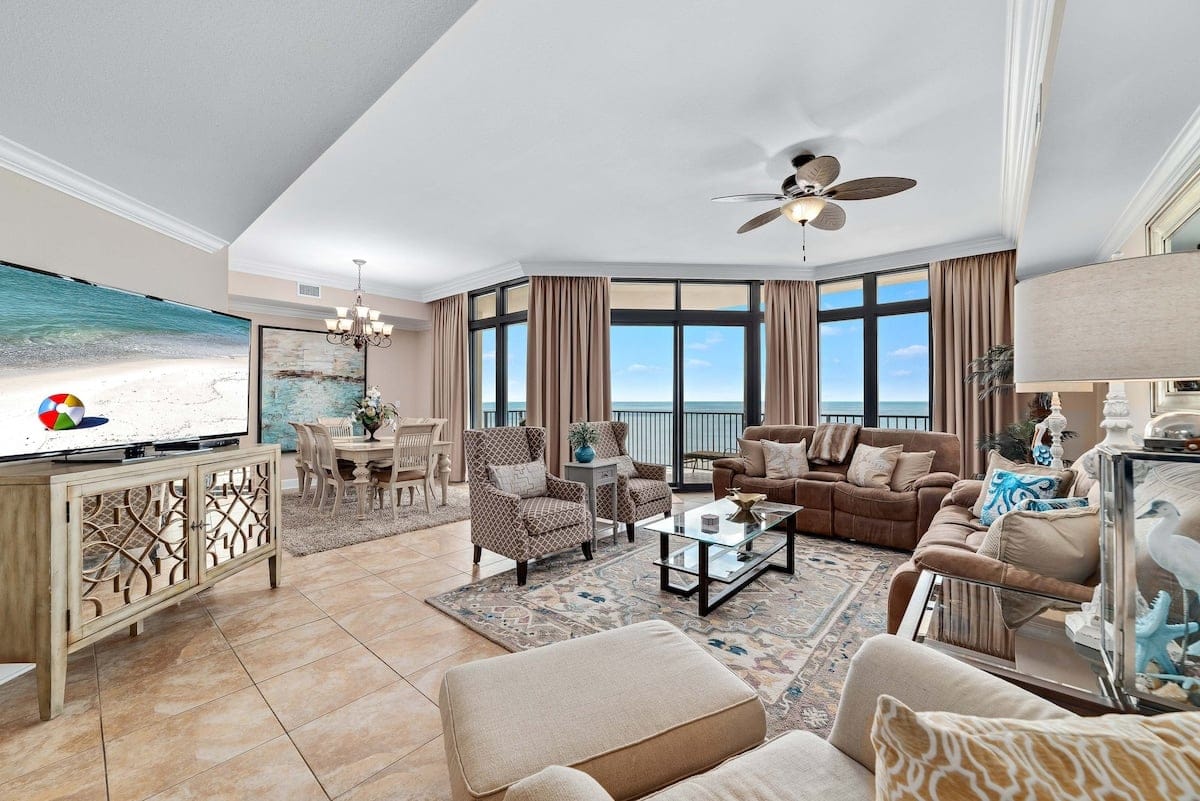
(450, 374)
(972, 303)
(567, 376)
(791, 321)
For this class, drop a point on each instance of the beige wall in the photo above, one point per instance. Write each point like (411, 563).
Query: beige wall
(44, 228)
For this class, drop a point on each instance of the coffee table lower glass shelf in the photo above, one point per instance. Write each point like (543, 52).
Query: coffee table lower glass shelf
(726, 555)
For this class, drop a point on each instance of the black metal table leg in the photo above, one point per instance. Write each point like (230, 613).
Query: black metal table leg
(702, 569)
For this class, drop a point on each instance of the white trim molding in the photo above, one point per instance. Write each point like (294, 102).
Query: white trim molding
(1033, 30)
(45, 170)
(916, 257)
(480, 278)
(614, 269)
(330, 279)
(1178, 165)
(259, 307)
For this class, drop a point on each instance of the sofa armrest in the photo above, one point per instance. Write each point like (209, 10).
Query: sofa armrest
(732, 464)
(557, 783)
(960, 563)
(929, 500)
(941, 479)
(964, 493)
(927, 681)
(565, 490)
(820, 475)
(656, 472)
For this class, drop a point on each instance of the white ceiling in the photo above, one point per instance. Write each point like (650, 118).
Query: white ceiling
(205, 111)
(1123, 88)
(590, 133)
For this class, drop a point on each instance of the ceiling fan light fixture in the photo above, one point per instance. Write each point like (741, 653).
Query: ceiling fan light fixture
(803, 209)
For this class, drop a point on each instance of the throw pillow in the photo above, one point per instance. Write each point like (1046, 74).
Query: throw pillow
(1039, 505)
(942, 755)
(785, 459)
(625, 466)
(1006, 490)
(752, 456)
(998, 462)
(527, 480)
(1062, 544)
(910, 467)
(873, 467)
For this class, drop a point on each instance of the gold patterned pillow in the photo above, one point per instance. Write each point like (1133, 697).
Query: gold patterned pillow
(873, 467)
(941, 756)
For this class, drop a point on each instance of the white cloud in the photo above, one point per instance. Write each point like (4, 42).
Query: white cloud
(709, 341)
(901, 373)
(698, 363)
(910, 351)
(489, 355)
(637, 367)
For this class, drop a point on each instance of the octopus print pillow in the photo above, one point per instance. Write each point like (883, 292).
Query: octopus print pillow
(1007, 490)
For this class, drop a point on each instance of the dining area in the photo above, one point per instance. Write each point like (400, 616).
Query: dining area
(389, 463)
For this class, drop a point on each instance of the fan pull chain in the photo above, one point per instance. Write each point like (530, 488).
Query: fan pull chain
(803, 242)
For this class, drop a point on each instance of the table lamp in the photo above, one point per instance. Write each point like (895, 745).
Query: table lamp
(1116, 321)
(1056, 421)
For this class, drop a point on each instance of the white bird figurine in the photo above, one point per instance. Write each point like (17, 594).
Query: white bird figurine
(1174, 551)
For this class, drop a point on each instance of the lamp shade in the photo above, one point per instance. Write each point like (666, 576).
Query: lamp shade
(1128, 320)
(803, 209)
(1055, 386)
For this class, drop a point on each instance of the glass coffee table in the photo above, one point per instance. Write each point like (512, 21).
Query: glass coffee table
(725, 555)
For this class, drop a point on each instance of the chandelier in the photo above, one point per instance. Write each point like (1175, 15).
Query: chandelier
(358, 325)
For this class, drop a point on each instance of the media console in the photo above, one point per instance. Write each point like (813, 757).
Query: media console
(89, 548)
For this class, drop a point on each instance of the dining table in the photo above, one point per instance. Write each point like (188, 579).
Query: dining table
(363, 451)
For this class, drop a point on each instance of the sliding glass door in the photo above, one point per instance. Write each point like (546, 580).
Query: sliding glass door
(714, 397)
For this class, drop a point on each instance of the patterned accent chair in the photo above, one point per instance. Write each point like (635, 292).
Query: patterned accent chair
(644, 494)
(512, 526)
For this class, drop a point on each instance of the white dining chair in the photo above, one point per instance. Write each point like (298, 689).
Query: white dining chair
(337, 426)
(412, 454)
(306, 468)
(330, 472)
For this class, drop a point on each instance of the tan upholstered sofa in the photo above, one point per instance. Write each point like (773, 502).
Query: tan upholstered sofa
(834, 506)
(599, 757)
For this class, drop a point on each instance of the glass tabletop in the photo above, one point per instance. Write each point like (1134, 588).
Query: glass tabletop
(729, 532)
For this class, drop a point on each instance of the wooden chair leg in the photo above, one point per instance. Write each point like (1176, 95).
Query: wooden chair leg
(587, 550)
(629, 529)
(393, 494)
(522, 573)
(478, 554)
(337, 498)
(425, 492)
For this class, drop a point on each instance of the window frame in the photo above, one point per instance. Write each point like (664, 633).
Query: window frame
(870, 312)
(500, 323)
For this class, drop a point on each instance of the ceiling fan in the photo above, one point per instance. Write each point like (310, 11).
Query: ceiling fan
(807, 195)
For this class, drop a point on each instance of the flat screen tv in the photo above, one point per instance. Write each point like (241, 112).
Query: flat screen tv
(87, 368)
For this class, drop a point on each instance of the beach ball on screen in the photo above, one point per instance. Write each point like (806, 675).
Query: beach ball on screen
(60, 412)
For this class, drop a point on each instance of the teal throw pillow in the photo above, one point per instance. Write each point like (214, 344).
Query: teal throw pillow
(1007, 490)
(1053, 505)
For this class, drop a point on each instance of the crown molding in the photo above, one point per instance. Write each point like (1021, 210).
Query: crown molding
(330, 279)
(257, 307)
(615, 269)
(480, 278)
(915, 257)
(1032, 39)
(1178, 164)
(31, 164)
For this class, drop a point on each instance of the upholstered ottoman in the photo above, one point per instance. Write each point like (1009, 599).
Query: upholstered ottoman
(638, 708)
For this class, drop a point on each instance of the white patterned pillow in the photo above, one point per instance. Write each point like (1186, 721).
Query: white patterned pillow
(785, 459)
(625, 466)
(873, 467)
(527, 480)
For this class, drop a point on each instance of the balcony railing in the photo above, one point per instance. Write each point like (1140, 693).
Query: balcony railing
(705, 434)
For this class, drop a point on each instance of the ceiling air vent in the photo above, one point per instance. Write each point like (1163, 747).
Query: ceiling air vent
(308, 290)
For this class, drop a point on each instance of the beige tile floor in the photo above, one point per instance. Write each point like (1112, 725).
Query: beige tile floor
(325, 688)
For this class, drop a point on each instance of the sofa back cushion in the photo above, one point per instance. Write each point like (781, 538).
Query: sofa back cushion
(779, 433)
(947, 453)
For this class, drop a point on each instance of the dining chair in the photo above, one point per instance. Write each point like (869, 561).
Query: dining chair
(306, 470)
(330, 471)
(437, 435)
(338, 426)
(412, 454)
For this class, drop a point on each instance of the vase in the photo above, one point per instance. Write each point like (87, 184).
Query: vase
(371, 429)
(585, 454)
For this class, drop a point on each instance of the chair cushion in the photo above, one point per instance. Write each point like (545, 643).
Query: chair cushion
(798, 765)
(527, 479)
(545, 514)
(384, 474)
(640, 706)
(645, 490)
(880, 504)
(557, 783)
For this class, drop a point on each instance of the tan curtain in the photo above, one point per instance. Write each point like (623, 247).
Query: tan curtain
(791, 320)
(568, 371)
(450, 374)
(972, 301)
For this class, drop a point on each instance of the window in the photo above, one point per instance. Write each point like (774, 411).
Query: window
(874, 349)
(686, 370)
(499, 337)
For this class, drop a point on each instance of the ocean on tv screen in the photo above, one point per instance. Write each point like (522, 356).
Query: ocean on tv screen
(84, 367)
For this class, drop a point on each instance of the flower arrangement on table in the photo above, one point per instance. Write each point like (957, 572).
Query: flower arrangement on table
(371, 412)
(581, 437)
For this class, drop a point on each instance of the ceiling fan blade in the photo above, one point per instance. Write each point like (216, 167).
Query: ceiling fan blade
(831, 218)
(868, 188)
(761, 219)
(747, 198)
(822, 171)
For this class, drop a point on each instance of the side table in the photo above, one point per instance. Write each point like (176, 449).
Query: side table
(594, 474)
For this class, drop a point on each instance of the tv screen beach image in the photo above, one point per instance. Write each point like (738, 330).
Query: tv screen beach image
(143, 370)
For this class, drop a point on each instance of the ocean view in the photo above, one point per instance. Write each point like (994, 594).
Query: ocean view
(886, 408)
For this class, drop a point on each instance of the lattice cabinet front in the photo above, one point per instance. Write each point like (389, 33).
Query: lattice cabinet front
(237, 513)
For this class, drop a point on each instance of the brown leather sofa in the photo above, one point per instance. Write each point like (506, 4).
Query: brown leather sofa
(833, 506)
(949, 548)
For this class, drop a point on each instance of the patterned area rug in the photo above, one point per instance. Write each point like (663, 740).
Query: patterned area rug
(305, 530)
(790, 637)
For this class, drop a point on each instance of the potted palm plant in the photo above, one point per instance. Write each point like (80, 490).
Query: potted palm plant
(581, 437)
(993, 373)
